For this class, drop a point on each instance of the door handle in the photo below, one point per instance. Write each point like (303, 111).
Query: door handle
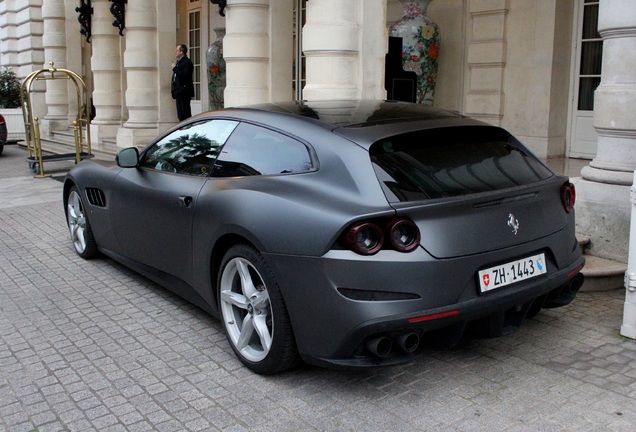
(185, 201)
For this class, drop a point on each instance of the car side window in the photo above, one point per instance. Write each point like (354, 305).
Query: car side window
(191, 150)
(254, 150)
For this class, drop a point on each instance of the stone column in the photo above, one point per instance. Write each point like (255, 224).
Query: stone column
(107, 69)
(603, 201)
(373, 49)
(331, 44)
(8, 42)
(281, 45)
(54, 41)
(141, 62)
(246, 52)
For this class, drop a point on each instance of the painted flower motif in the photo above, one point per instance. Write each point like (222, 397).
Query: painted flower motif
(412, 10)
(428, 31)
(433, 51)
(413, 66)
(214, 69)
(420, 50)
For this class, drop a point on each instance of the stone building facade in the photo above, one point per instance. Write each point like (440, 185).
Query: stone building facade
(530, 66)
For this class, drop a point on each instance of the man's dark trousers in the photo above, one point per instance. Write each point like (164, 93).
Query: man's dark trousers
(183, 108)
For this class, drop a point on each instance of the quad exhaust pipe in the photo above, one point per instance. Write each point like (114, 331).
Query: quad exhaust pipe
(408, 342)
(382, 346)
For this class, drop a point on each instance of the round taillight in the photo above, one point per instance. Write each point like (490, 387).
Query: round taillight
(365, 238)
(404, 235)
(568, 196)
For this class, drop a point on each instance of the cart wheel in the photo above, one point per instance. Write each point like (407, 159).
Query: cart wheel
(36, 167)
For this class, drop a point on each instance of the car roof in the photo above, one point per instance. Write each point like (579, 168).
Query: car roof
(362, 121)
(353, 113)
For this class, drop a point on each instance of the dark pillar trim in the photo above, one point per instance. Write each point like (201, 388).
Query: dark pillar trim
(222, 4)
(85, 12)
(118, 9)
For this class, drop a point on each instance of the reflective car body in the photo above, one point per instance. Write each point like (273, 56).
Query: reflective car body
(3, 133)
(340, 233)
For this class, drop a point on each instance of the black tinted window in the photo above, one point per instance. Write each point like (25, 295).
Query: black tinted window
(254, 150)
(190, 150)
(452, 161)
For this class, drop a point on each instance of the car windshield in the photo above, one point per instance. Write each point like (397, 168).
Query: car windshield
(450, 162)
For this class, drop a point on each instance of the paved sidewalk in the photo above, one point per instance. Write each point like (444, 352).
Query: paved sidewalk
(92, 346)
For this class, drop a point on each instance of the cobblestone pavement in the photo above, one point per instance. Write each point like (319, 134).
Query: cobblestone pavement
(90, 345)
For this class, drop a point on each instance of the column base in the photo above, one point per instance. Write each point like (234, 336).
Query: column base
(101, 132)
(603, 214)
(135, 137)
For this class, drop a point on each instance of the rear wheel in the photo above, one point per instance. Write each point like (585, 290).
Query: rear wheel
(79, 227)
(254, 314)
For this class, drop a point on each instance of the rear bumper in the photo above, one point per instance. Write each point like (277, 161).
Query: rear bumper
(446, 328)
(334, 330)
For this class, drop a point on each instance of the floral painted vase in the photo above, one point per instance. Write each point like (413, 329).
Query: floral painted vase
(420, 47)
(216, 70)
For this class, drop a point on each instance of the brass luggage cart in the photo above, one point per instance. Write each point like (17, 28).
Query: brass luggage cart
(81, 124)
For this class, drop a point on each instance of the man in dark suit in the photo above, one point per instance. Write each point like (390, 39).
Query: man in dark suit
(182, 87)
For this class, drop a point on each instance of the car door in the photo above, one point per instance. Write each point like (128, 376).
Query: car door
(153, 205)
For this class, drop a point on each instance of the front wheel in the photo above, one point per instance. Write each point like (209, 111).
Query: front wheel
(79, 227)
(254, 314)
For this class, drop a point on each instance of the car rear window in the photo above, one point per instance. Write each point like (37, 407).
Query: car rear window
(448, 162)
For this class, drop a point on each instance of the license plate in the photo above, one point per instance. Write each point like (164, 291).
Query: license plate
(512, 272)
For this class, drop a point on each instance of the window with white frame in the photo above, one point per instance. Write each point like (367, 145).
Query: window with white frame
(299, 77)
(194, 47)
(591, 56)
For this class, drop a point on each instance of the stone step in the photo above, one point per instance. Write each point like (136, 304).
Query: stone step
(583, 241)
(602, 274)
(62, 143)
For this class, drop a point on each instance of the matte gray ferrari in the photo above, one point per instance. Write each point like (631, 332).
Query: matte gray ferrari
(339, 233)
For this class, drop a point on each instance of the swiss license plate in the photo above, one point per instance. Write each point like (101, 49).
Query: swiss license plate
(512, 272)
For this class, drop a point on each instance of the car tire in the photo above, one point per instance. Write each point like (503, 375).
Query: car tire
(79, 226)
(254, 314)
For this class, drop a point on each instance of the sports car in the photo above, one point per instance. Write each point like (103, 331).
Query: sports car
(3, 133)
(339, 233)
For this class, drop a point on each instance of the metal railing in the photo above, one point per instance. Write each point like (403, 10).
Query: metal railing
(32, 123)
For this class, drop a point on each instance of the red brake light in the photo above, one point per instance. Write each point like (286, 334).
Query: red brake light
(568, 196)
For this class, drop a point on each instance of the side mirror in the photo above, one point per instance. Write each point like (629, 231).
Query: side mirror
(128, 157)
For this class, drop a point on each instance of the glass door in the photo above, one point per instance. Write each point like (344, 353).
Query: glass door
(586, 78)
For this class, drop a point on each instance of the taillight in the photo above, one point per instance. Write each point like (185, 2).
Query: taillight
(568, 196)
(364, 238)
(367, 238)
(403, 235)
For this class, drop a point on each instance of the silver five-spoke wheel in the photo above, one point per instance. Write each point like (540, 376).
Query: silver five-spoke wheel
(254, 313)
(81, 234)
(246, 309)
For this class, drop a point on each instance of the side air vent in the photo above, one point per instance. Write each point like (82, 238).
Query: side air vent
(96, 197)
